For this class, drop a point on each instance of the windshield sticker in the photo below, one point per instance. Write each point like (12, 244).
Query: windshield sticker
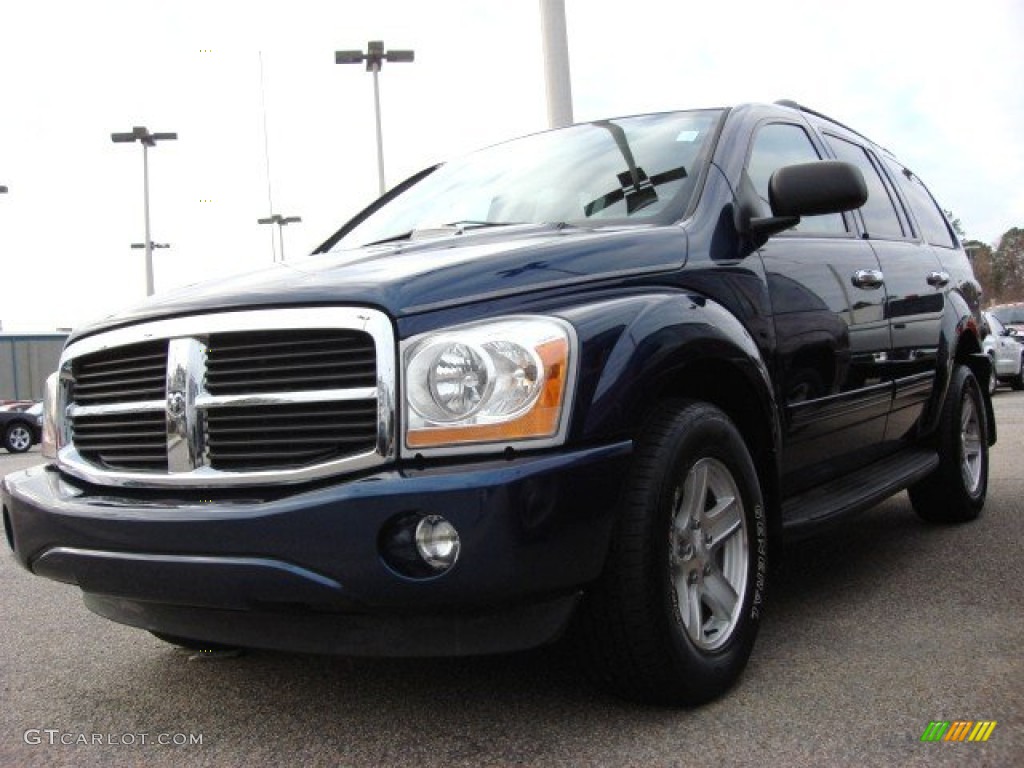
(689, 136)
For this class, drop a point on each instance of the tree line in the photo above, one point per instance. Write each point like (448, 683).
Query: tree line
(1000, 270)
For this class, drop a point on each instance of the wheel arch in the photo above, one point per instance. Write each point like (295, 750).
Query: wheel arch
(641, 350)
(723, 384)
(960, 345)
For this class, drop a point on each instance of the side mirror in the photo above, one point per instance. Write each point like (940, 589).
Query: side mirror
(811, 189)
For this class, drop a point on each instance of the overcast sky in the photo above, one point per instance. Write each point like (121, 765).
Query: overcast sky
(939, 83)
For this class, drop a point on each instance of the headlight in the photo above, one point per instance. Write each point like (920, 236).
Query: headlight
(496, 382)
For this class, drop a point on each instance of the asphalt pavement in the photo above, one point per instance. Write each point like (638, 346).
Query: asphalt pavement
(871, 633)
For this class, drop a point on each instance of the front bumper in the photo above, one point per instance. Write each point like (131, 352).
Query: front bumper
(304, 572)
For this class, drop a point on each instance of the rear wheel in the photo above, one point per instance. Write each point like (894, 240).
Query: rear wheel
(955, 491)
(674, 616)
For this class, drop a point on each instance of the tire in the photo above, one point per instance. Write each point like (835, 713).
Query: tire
(192, 645)
(1017, 382)
(955, 491)
(691, 526)
(18, 437)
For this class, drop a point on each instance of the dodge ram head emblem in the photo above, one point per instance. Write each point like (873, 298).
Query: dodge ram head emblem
(176, 404)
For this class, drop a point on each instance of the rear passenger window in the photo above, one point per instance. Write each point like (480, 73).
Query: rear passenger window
(880, 217)
(932, 221)
(780, 144)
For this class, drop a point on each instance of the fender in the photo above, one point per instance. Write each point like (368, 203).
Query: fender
(642, 348)
(960, 342)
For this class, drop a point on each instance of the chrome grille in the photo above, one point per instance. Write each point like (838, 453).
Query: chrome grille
(127, 374)
(230, 399)
(289, 435)
(134, 374)
(275, 361)
(136, 441)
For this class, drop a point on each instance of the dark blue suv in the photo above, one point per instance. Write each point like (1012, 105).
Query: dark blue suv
(581, 383)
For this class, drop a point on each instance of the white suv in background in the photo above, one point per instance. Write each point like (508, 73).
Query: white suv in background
(1005, 346)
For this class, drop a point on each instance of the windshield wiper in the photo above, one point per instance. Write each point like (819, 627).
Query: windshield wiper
(391, 239)
(474, 223)
(453, 228)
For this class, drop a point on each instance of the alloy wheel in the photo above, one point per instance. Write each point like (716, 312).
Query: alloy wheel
(19, 439)
(709, 556)
(970, 443)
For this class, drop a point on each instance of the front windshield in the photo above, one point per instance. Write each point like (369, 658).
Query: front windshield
(633, 169)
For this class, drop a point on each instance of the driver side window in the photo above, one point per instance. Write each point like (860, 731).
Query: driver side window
(777, 145)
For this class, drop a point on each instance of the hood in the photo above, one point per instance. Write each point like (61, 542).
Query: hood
(415, 276)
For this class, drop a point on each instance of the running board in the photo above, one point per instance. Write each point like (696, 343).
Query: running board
(821, 507)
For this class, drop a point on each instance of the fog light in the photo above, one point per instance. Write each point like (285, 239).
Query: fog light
(437, 542)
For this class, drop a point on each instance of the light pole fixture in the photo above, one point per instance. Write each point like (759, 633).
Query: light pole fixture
(281, 221)
(3, 189)
(142, 135)
(375, 58)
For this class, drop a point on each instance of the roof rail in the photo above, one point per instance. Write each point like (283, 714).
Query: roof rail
(800, 107)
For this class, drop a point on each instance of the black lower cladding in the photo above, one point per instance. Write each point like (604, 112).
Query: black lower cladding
(534, 531)
(472, 632)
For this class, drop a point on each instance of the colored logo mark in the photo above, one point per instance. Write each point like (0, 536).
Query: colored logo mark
(958, 730)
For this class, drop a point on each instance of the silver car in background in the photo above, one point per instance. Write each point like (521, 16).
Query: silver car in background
(1005, 346)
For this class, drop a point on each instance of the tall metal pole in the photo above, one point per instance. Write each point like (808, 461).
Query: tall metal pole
(142, 135)
(556, 62)
(266, 158)
(374, 57)
(380, 139)
(280, 221)
(145, 211)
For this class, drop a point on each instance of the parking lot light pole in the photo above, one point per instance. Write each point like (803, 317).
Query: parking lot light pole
(153, 246)
(281, 221)
(556, 62)
(3, 189)
(374, 58)
(142, 135)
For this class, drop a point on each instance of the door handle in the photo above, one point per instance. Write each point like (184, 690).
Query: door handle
(938, 279)
(868, 278)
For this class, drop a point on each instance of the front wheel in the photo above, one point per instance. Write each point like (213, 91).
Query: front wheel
(18, 438)
(673, 618)
(955, 491)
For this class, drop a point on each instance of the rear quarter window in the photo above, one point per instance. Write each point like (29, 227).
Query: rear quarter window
(930, 219)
